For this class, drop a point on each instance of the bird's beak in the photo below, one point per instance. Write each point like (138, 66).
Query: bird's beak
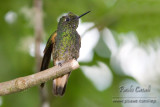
(83, 14)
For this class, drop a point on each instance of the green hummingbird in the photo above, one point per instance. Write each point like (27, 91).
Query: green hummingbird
(64, 44)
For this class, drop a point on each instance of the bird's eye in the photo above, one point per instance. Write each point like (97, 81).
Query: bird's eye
(67, 19)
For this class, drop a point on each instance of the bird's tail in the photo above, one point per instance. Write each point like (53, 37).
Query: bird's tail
(59, 85)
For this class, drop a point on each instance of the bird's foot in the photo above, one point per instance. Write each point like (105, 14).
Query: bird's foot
(60, 64)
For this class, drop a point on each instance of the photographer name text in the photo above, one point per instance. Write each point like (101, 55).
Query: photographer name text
(137, 89)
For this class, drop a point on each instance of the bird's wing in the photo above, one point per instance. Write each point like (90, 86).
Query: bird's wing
(48, 51)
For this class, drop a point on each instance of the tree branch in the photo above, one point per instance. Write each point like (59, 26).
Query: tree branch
(22, 83)
(38, 29)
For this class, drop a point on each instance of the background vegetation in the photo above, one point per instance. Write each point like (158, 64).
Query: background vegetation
(126, 24)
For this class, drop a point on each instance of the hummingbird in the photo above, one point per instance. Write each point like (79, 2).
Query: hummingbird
(63, 45)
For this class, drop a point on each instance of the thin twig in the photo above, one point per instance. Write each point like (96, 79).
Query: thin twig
(22, 83)
(38, 29)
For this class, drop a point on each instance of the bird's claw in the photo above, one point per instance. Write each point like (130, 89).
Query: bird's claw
(60, 64)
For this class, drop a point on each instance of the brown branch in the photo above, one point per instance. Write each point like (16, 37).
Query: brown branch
(38, 29)
(22, 83)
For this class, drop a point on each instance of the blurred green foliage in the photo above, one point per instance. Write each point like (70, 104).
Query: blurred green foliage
(140, 16)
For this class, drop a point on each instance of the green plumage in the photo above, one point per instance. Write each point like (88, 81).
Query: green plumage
(64, 44)
(68, 40)
(67, 45)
